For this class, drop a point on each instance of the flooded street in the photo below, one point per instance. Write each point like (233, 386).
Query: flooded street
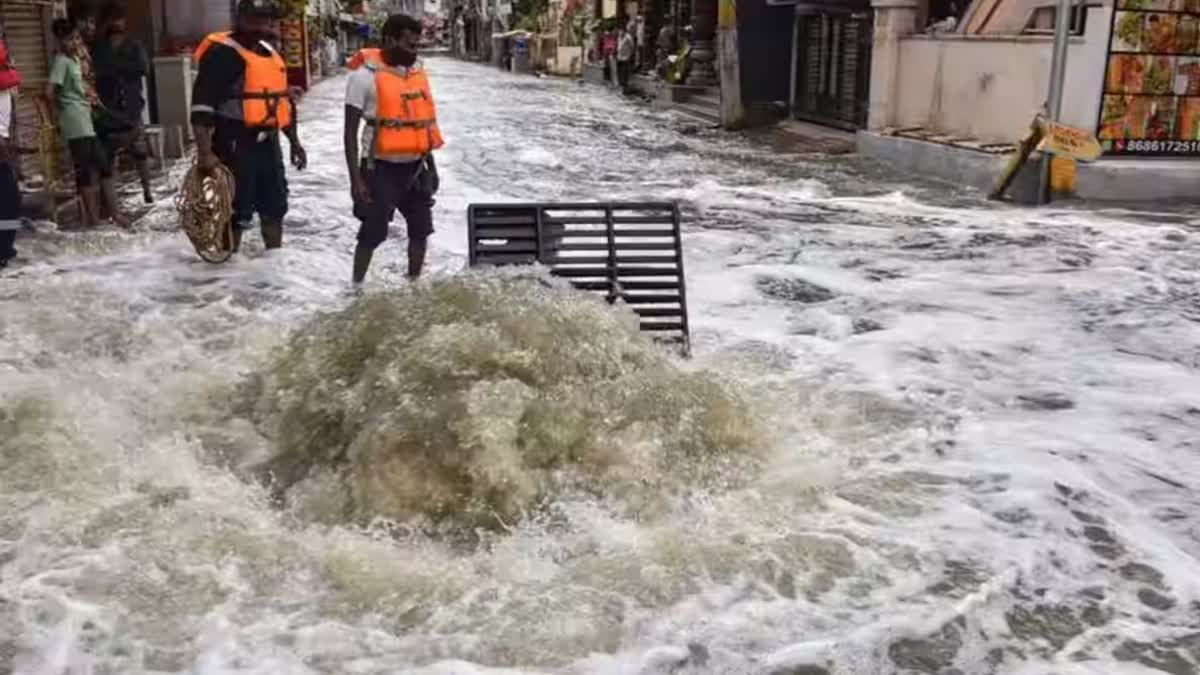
(981, 449)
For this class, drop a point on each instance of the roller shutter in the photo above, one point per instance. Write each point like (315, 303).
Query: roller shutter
(26, 27)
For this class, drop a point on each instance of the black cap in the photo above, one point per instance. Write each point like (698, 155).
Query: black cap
(259, 8)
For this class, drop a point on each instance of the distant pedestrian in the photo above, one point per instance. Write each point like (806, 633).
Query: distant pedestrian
(608, 52)
(626, 52)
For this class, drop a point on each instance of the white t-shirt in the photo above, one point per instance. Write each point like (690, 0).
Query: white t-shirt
(6, 112)
(360, 93)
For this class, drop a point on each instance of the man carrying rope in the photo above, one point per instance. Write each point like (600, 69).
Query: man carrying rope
(240, 103)
(395, 171)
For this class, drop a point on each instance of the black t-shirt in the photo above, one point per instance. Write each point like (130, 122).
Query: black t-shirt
(119, 73)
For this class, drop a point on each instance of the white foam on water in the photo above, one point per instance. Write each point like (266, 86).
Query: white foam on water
(991, 416)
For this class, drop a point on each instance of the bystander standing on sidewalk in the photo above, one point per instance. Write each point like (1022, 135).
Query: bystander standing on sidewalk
(68, 90)
(10, 189)
(121, 64)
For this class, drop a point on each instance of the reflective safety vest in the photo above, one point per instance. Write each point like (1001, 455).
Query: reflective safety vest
(406, 120)
(365, 56)
(265, 103)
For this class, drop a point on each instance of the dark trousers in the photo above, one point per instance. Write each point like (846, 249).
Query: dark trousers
(260, 177)
(10, 211)
(394, 186)
(624, 71)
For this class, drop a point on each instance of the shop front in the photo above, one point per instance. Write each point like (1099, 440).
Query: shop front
(831, 63)
(26, 26)
(1151, 91)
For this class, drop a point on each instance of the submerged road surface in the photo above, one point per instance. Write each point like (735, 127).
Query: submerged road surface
(992, 459)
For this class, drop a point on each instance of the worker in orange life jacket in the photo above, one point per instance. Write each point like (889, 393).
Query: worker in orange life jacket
(241, 102)
(395, 170)
(370, 55)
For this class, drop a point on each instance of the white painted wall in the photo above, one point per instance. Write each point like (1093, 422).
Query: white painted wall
(989, 87)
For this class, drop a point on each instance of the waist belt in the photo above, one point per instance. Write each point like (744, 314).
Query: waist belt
(273, 100)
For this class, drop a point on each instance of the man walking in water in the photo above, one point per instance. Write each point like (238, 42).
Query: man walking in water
(396, 169)
(240, 103)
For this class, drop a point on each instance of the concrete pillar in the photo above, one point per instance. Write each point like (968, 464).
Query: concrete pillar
(704, 28)
(894, 19)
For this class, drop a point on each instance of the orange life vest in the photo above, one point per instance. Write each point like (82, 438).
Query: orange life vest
(207, 43)
(406, 119)
(264, 97)
(365, 56)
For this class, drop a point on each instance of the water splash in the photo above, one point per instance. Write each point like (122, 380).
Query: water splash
(473, 399)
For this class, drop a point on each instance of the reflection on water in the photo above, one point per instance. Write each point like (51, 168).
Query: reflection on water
(478, 399)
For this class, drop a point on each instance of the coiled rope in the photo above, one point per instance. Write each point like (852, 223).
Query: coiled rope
(205, 205)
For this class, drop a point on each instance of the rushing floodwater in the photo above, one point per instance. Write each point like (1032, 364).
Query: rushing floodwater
(983, 457)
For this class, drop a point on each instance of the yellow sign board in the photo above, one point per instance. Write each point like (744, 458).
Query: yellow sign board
(727, 14)
(1066, 141)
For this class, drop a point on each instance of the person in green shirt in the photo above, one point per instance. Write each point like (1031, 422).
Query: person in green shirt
(72, 100)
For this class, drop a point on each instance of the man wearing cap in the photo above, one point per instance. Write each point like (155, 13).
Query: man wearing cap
(240, 103)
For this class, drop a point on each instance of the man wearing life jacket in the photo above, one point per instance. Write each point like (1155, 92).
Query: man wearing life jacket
(10, 190)
(240, 103)
(395, 171)
(365, 56)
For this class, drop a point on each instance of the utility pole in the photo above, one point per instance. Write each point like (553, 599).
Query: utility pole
(1058, 76)
(733, 114)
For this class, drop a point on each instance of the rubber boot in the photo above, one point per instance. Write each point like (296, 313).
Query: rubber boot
(416, 258)
(143, 171)
(362, 261)
(110, 196)
(91, 206)
(272, 234)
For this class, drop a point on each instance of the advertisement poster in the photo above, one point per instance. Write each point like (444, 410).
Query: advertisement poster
(293, 47)
(1151, 102)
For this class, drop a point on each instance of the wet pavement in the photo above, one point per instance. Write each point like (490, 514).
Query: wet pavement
(990, 421)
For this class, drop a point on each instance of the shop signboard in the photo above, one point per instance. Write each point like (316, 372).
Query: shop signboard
(1067, 141)
(1151, 101)
(294, 43)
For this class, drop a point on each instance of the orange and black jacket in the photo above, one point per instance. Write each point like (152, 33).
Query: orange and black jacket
(218, 90)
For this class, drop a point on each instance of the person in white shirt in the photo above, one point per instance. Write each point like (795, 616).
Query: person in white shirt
(626, 51)
(395, 170)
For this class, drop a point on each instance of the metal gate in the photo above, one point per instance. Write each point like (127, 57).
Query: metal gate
(627, 252)
(833, 69)
(26, 27)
